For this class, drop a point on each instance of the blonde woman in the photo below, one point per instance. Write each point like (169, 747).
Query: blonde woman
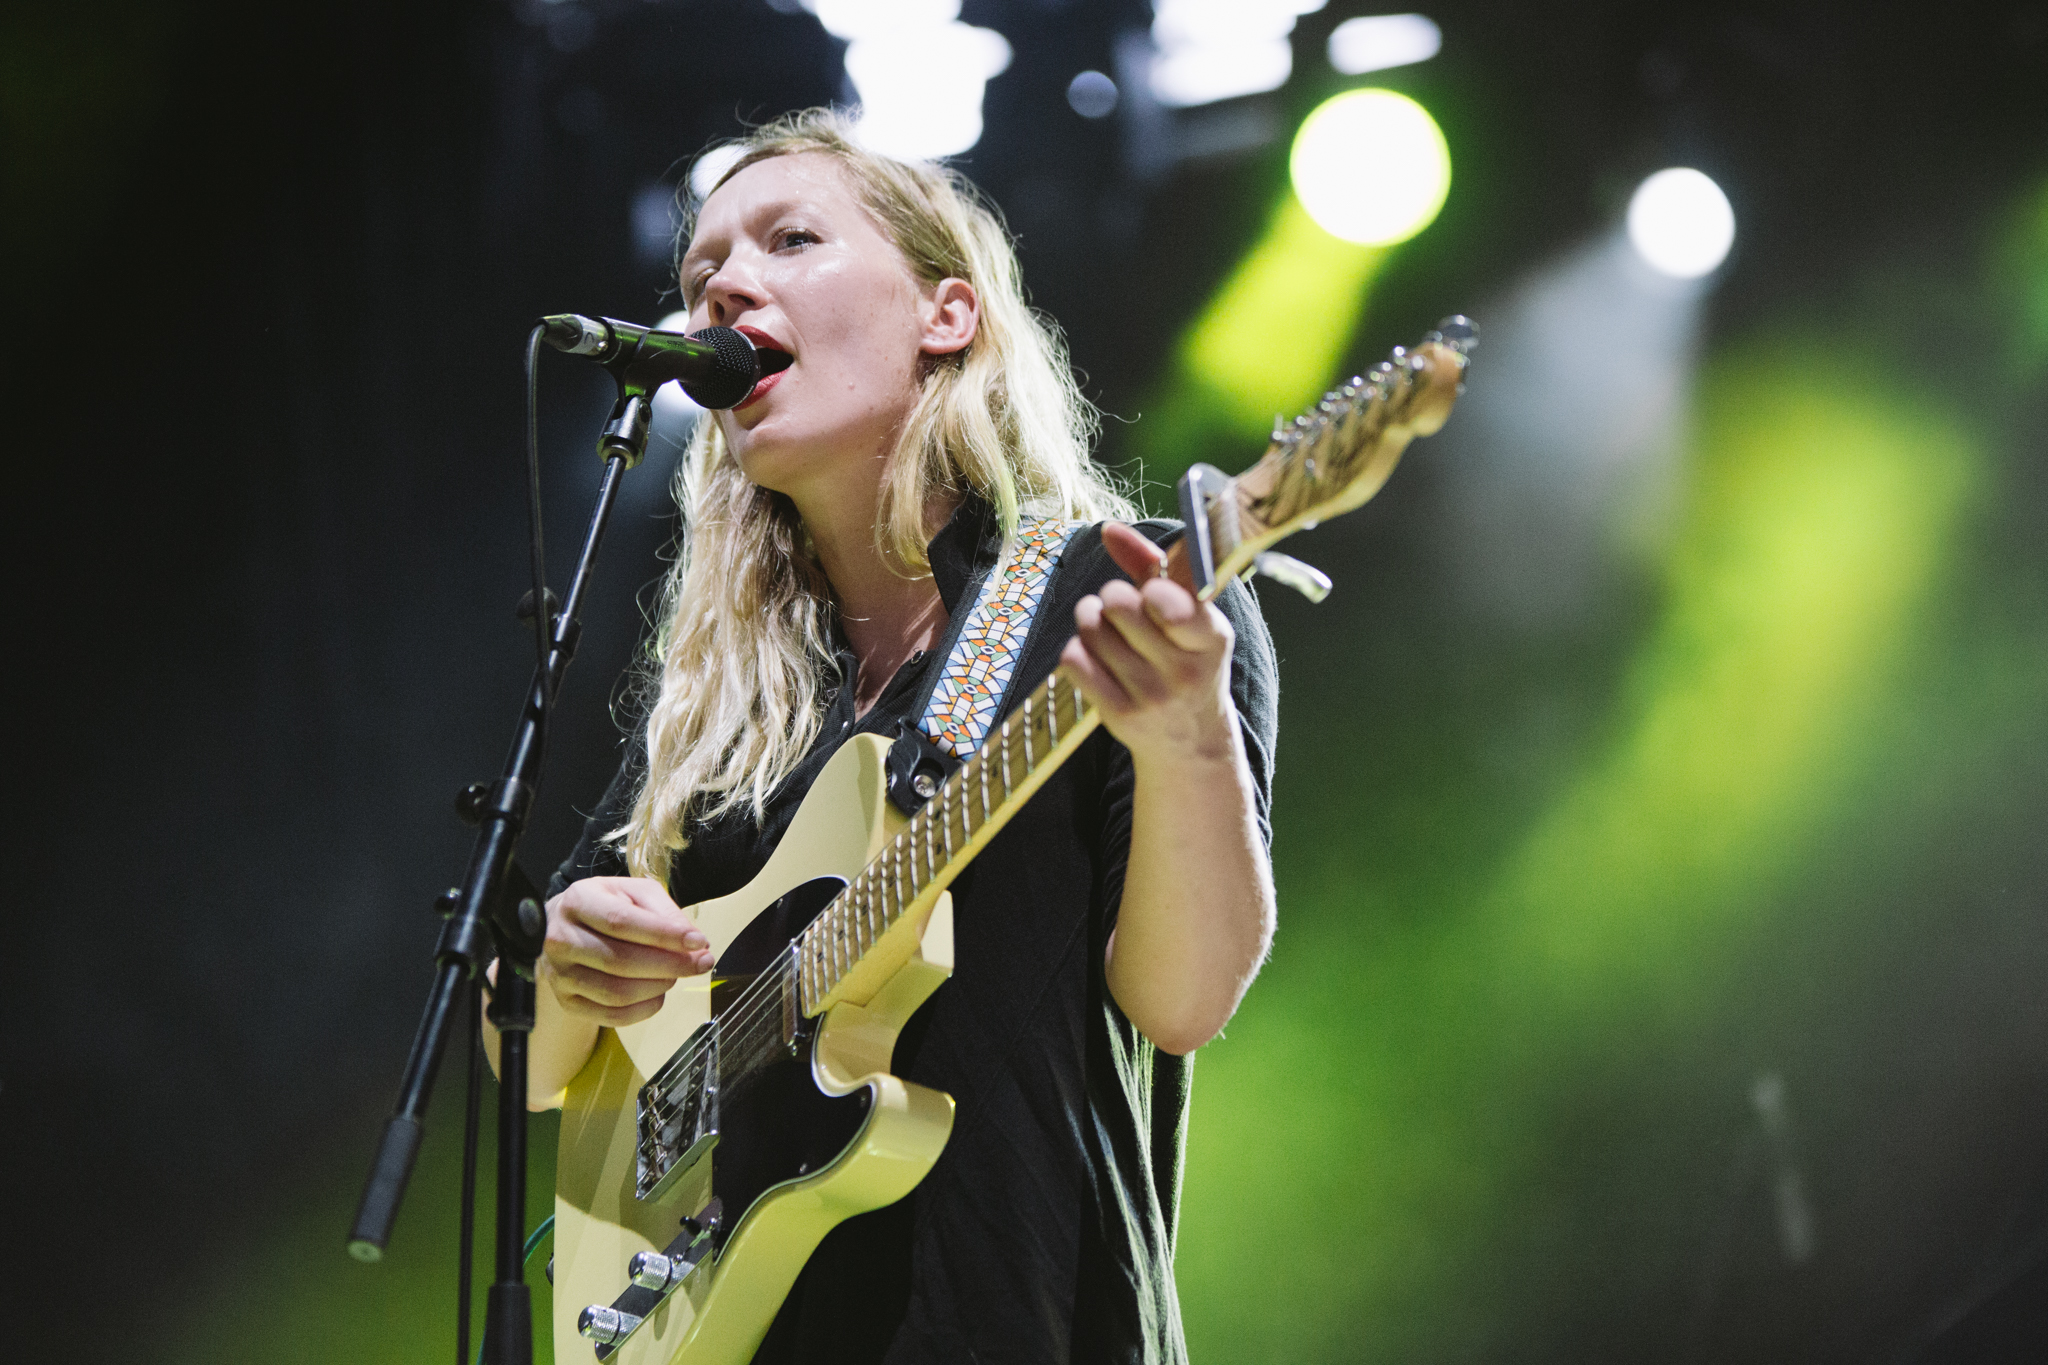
(838, 522)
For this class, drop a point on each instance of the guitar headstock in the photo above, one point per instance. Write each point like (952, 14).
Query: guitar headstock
(1329, 460)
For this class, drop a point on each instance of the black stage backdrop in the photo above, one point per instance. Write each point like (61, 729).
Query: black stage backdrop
(271, 266)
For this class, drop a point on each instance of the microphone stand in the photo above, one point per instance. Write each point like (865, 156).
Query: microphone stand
(497, 912)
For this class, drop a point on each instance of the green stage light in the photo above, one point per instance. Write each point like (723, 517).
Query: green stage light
(1371, 167)
(1271, 338)
(1269, 341)
(1406, 1145)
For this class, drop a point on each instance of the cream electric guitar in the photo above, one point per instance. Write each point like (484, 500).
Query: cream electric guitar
(707, 1150)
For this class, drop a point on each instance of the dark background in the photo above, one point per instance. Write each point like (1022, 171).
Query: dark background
(271, 268)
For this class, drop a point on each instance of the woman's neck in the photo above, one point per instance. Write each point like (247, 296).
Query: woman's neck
(888, 616)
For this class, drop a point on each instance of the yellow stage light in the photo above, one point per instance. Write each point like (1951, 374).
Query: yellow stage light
(1371, 167)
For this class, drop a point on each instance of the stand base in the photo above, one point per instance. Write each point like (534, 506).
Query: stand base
(508, 1326)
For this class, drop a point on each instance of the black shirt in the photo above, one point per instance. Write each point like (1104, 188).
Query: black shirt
(1044, 1233)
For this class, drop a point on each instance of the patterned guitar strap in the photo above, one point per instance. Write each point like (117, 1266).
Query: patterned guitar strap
(964, 703)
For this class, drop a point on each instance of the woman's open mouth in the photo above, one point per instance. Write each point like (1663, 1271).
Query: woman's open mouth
(773, 361)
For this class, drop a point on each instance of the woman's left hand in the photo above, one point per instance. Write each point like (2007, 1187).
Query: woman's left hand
(1154, 661)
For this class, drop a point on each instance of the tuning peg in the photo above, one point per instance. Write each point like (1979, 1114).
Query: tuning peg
(1305, 579)
(1458, 332)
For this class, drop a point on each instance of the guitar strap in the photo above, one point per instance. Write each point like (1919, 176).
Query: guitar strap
(970, 689)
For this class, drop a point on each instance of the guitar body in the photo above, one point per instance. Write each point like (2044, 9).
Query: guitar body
(818, 1132)
(769, 1114)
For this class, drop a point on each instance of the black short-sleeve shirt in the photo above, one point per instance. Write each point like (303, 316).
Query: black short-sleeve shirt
(1045, 1231)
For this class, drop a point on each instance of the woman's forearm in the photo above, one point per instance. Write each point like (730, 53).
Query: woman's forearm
(559, 1046)
(1197, 912)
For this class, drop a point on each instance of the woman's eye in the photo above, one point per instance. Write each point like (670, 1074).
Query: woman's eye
(797, 237)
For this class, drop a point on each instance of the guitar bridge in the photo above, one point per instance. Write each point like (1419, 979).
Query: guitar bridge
(678, 1114)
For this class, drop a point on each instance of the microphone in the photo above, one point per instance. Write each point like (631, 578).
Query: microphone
(717, 367)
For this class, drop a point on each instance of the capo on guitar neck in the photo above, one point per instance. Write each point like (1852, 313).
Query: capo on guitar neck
(1201, 488)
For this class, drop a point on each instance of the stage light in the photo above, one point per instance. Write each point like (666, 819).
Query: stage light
(1371, 167)
(856, 19)
(710, 166)
(920, 73)
(1379, 41)
(1681, 223)
(1269, 340)
(1092, 95)
(1209, 50)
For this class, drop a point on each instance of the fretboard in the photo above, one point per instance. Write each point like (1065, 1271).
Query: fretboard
(836, 956)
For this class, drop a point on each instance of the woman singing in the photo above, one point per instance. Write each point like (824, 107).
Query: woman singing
(839, 524)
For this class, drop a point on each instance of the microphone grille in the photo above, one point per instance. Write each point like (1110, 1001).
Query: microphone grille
(733, 376)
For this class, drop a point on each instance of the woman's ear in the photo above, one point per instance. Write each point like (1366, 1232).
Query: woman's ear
(948, 317)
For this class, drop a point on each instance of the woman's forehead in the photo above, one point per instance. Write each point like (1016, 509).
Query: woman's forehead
(799, 179)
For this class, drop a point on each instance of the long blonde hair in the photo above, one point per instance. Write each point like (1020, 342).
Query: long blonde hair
(738, 665)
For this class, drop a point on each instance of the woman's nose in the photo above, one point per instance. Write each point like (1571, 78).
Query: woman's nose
(731, 293)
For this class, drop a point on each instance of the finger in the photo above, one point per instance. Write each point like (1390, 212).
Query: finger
(1103, 692)
(574, 943)
(634, 909)
(1193, 625)
(1127, 612)
(1110, 651)
(612, 1016)
(1187, 647)
(603, 988)
(1134, 554)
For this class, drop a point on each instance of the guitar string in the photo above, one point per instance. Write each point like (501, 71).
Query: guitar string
(742, 1038)
(849, 916)
(845, 920)
(740, 1032)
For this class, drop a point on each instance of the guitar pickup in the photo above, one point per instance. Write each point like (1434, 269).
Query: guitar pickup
(678, 1115)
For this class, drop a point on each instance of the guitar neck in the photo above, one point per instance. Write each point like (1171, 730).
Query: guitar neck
(1328, 462)
(858, 941)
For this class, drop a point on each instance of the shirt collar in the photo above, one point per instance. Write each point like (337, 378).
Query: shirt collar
(969, 545)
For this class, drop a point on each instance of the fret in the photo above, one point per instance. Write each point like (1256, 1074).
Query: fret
(1052, 728)
(946, 817)
(981, 767)
(1004, 753)
(1028, 760)
(898, 851)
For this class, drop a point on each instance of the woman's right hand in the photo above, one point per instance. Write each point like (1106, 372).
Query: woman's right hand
(614, 947)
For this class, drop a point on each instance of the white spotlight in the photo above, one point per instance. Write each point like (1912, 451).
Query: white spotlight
(710, 167)
(1681, 223)
(920, 73)
(1210, 50)
(1378, 41)
(921, 87)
